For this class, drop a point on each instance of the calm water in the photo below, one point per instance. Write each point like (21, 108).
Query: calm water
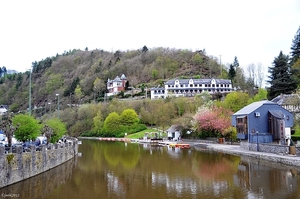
(134, 171)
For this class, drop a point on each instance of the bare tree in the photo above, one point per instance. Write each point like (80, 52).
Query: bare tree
(7, 126)
(251, 68)
(260, 74)
(240, 79)
(255, 74)
(47, 131)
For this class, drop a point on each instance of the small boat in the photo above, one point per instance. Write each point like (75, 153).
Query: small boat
(178, 145)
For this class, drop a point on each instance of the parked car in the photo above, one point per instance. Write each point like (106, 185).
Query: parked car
(41, 140)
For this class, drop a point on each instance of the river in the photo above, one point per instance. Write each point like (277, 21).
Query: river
(119, 170)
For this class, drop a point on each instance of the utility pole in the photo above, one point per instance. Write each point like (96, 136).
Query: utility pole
(71, 100)
(57, 105)
(29, 103)
(221, 64)
(50, 107)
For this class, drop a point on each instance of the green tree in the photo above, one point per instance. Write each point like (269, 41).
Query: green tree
(144, 49)
(98, 121)
(281, 80)
(54, 81)
(165, 112)
(180, 104)
(236, 101)
(296, 71)
(203, 98)
(129, 117)
(197, 59)
(72, 87)
(295, 55)
(98, 85)
(58, 127)
(154, 74)
(261, 95)
(231, 72)
(168, 65)
(85, 115)
(4, 71)
(295, 49)
(78, 93)
(28, 127)
(112, 123)
(236, 62)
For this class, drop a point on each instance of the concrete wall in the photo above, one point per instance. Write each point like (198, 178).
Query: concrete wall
(268, 148)
(21, 165)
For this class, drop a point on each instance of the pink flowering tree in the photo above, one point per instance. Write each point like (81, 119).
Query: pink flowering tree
(212, 122)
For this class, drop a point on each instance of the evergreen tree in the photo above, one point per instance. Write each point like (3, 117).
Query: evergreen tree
(233, 69)
(236, 62)
(295, 53)
(4, 71)
(231, 72)
(144, 49)
(281, 80)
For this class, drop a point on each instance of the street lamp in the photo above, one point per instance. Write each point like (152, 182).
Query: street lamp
(71, 100)
(256, 140)
(50, 106)
(95, 94)
(57, 105)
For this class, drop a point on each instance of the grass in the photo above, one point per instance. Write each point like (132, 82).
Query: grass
(141, 133)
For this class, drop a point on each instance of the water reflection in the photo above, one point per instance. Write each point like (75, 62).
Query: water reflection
(125, 170)
(42, 185)
(264, 180)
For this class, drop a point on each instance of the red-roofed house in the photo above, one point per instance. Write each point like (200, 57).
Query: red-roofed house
(117, 85)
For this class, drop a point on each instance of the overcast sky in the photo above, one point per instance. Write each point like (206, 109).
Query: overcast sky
(253, 30)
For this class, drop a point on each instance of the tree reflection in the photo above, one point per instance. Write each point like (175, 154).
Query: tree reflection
(121, 154)
(215, 167)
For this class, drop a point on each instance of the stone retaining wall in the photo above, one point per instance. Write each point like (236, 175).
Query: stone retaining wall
(268, 148)
(15, 167)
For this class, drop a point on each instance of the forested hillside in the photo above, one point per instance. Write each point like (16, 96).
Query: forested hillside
(68, 87)
(80, 76)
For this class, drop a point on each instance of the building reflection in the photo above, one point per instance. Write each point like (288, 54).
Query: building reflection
(264, 179)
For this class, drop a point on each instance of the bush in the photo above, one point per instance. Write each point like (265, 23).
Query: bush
(136, 128)
(89, 134)
(295, 138)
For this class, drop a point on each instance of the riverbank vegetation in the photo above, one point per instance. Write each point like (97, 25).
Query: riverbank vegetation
(118, 117)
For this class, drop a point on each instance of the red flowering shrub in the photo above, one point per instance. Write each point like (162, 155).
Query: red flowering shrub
(215, 120)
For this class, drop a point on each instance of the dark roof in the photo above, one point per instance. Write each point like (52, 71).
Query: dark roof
(198, 81)
(277, 114)
(4, 106)
(117, 79)
(252, 107)
(174, 128)
(157, 89)
(286, 99)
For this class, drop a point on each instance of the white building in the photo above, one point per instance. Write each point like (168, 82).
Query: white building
(191, 87)
(3, 109)
(116, 85)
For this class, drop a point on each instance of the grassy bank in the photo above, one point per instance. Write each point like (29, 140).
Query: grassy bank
(142, 133)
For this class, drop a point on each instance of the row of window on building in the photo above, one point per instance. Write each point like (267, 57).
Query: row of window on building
(200, 85)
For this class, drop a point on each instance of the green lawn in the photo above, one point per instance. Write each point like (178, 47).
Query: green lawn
(142, 133)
